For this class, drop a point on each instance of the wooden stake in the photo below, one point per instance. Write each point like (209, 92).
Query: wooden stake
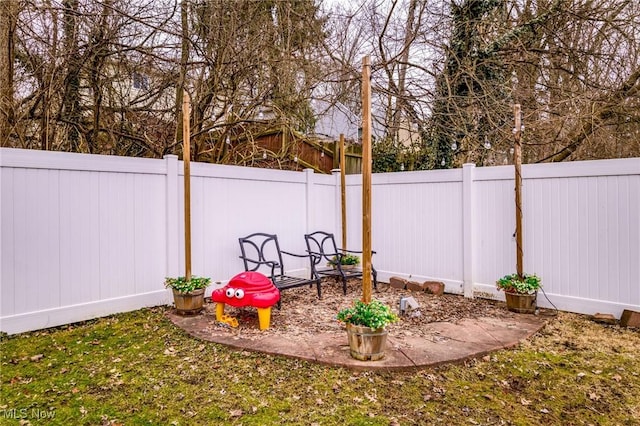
(366, 180)
(517, 161)
(186, 157)
(343, 192)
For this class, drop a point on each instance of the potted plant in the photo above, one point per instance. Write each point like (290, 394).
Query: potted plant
(521, 292)
(346, 261)
(188, 295)
(366, 328)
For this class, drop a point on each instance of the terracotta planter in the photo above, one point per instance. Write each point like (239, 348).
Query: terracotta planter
(189, 303)
(521, 303)
(348, 267)
(365, 343)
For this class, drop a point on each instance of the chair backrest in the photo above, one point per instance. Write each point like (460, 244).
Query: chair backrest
(261, 247)
(322, 243)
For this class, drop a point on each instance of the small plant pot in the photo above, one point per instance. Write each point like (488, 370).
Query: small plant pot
(190, 303)
(521, 303)
(348, 267)
(365, 343)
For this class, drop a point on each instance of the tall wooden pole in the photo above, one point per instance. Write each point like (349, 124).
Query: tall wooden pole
(366, 180)
(343, 192)
(517, 161)
(186, 157)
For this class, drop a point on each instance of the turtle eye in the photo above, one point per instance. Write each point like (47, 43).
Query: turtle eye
(230, 292)
(239, 293)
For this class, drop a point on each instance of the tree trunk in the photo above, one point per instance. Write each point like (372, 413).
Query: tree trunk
(71, 102)
(401, 102)
(100, 51)
(184, 59)
(8, 18)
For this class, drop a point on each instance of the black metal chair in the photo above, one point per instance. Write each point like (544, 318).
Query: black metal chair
(263, 250)
(322, 246)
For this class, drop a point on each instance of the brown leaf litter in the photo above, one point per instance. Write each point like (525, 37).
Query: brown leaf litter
(303, 314)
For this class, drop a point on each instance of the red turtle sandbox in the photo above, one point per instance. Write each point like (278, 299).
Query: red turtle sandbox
(247, 289)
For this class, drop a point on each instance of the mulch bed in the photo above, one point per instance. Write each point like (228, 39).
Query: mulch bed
(303, 314)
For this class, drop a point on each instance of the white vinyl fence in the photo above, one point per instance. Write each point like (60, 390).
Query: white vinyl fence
(581, 230)
(83, 236)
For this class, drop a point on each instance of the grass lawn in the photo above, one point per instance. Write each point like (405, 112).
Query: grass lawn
(137, 368)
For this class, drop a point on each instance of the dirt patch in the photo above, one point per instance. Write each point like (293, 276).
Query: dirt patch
(303, 314)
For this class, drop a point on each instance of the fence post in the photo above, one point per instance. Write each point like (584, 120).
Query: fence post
(468, 203)
(308, 176)
(337, 217)
(172, 229)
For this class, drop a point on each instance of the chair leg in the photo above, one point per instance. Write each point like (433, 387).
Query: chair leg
(319, 291)
(375, 278)
(344, 285)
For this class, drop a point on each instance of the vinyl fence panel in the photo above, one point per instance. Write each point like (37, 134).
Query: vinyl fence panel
(82, 236)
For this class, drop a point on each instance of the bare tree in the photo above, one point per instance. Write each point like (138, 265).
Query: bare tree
(584, 59)
(77, 63)
(455, 69)
(106, 77)
(572, 65)
(8, 18)
(251, 63)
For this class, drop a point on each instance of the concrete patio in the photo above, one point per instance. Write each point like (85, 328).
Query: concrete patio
(449, 341)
